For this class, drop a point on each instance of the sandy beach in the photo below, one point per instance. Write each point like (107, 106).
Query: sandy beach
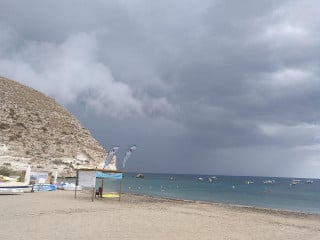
(58, 215)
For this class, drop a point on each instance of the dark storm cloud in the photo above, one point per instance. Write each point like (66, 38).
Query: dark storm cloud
(227, 87)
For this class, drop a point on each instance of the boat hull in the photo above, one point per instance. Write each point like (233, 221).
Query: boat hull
(8, 191)
(10, 186)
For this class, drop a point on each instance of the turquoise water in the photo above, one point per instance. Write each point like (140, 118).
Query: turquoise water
(281, 194)
(229, 189)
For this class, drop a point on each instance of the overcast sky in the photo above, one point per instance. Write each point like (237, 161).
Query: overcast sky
(210, 86)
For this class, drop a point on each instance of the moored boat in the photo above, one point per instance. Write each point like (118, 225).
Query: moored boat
(139, 175)
(269, 181)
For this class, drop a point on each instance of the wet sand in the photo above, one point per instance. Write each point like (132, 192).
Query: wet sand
(58, 215)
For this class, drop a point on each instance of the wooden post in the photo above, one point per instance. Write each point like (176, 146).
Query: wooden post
(102, 186)
(120, 187)
(94, 188)
(75, 190)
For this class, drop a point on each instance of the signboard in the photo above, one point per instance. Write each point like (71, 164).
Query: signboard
(39, 177)
(86, 178)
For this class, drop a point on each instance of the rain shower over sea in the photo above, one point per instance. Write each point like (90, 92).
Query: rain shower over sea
(275, 193)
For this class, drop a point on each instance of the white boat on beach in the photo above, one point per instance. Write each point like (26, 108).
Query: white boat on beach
(8, 191)
(10, 185)
(18, 186)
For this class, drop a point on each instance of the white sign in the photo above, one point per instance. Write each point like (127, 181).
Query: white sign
(39, 177)
(87, 178)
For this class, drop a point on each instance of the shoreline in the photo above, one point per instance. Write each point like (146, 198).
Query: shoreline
(229, 205)
(58, 215)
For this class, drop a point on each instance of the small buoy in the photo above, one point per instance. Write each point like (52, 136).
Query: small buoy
(233, 187)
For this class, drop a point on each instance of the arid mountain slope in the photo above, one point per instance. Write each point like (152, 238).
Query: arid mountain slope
(35, 130)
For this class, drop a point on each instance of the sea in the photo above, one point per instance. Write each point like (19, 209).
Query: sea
(293, 194)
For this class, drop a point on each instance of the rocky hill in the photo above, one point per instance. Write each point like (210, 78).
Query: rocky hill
(35, 130)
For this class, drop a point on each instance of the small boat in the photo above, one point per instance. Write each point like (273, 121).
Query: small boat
(249, 182)
(269, 181)
(212, 178)
(8, 191)
(200, 179)
(309, 181)
(139, 175)
(295, 181)
(19, 186)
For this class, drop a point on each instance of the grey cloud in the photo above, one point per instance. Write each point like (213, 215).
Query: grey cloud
(71, 71)
(228, 80)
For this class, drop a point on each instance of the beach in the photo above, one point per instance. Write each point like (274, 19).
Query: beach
(58, 215)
